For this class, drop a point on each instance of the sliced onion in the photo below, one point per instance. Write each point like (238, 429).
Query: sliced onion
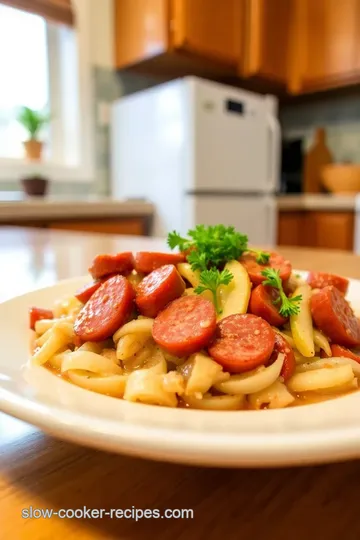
(137, 326)
(90, 361)
(277, 396)
(216, 403)
(318, 379)
(252, 381)
(111, 385)
(330, 362)
(322, 342)
(286, 334)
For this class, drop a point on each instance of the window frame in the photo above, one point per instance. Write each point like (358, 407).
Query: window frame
(14, 169)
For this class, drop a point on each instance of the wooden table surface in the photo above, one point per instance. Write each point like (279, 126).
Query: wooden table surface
(40, 472)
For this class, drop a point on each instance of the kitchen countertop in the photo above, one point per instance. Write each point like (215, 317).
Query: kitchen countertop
(329, 202)
(45, 208)
(40, 471)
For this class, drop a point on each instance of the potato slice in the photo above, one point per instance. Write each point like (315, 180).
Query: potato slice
(301, 324)
(192, 276)
(234, 298)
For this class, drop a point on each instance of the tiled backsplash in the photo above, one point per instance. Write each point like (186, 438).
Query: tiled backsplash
(108, 86)
(340, 116)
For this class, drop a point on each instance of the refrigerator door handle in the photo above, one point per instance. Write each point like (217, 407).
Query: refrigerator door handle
(274, 131)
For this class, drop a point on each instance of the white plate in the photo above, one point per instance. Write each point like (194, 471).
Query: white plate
(317, 433)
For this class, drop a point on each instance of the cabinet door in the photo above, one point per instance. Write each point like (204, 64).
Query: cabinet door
(326, 43)
(209, 28)
(141, 30)
(331, 230)
(131, 226)
(267, 39)
(291, 229)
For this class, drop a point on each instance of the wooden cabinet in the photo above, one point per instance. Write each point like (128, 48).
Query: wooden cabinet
(127, 225)
(161, 29)
(209, 28)
(326, 47)
(325, 230)
(267, 38)
(246, 38)
(141, 28)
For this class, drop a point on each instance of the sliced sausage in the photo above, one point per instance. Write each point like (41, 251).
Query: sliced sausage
(185, 326)
(289, 365)
(106, 311)
(147, 261)
(85, 293)
(38, 314)
(338, 350)
(262, 303)
(333, 315)
(242, 342)
(158, 289)
(103, 265)
(254, 269)
(319, 280)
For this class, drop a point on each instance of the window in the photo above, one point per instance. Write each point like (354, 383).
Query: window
(44, 70)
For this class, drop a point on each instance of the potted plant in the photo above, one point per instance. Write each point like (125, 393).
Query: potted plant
(33, 121)
(35, 185)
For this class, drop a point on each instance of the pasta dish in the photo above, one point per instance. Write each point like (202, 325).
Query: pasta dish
(211, 325)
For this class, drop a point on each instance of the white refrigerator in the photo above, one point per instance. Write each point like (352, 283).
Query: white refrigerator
(202, 152)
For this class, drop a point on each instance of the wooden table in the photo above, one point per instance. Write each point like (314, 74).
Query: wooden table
(36, 470)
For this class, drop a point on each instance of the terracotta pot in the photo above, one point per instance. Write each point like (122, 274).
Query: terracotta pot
(35, 186)
(33, 149)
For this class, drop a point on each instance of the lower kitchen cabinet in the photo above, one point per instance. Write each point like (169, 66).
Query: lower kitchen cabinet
(326, 230)
(138, 226)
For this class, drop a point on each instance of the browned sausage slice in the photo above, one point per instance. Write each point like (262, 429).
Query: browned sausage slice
(185, 326)
(147, 261)
(242, 342)
(107, 309)
(120, 263)
(158, 289)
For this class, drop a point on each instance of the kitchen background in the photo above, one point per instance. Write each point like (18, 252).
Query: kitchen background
(316, 88)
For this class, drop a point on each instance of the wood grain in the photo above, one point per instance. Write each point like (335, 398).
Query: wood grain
(268, 39)
(210, 28)
(141, 30)
(37, 470)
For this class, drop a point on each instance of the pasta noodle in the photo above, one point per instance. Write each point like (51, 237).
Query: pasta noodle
(275, 396)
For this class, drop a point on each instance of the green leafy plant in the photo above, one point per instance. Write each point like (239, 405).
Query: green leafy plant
(209, 249)
(33, 121)
(288, 306)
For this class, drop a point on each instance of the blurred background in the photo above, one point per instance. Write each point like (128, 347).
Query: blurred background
(140, 116)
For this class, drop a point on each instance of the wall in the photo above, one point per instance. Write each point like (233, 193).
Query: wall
(339, 115)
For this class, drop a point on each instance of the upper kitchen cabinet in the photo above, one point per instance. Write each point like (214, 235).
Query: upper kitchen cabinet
(325, 50)
(267, 40)
(209, 28)
(176, 37)
(141, 30)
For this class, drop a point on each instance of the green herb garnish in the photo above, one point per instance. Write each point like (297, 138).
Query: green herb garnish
(289, 306)
(210, 280)
(209, 249)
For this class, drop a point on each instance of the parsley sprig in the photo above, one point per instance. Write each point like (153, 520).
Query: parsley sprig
(209, 249)
(210, 280)
(289, 306)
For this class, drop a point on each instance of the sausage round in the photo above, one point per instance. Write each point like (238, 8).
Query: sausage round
(185, 326)
(289, 365)
(120, 263)
(254, 269)
(262, 304)
(338, 350)
(106, 311)
(242, 342)
(158, 289)
(319, 280)
(333, 315)
(85, 293)
(147, 261)
(38, 314)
